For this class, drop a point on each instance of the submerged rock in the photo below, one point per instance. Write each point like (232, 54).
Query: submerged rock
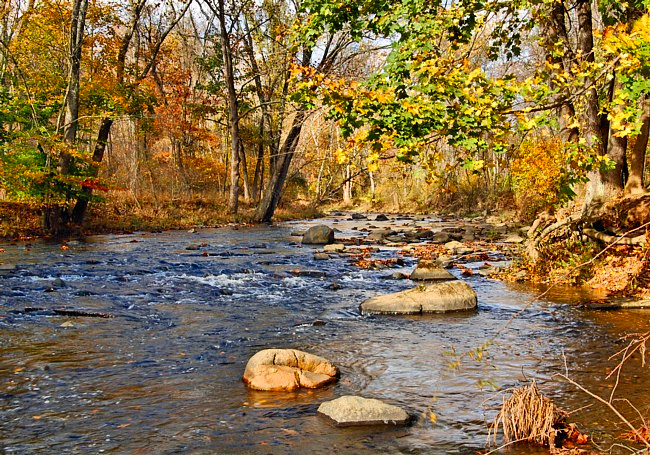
(430, 271)
(352, 410)
(319, 235)
(287, 370)
(440, 297)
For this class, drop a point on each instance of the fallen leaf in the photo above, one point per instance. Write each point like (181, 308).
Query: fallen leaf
(123, 425)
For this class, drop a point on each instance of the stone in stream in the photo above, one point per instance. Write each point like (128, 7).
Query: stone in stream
(430, 271)
(318, 235)
(381, 217)
(287, 370)
(437, 297)
(334, 248)
(379, 235)
(352, 410)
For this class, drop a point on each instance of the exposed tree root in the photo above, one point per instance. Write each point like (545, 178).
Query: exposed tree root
(619, 238)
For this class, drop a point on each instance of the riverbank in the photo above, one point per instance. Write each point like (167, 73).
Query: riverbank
(22, 221)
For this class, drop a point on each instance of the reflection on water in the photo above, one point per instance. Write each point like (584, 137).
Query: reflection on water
(164, 373)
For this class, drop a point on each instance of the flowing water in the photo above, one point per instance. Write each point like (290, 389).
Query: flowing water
(163, 375)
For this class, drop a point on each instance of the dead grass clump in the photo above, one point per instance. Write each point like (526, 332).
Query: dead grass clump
(527, 415)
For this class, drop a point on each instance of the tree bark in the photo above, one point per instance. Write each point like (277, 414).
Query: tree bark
(638, 153)
(273, 192)
(80, 208)
(554, 25)
(614, 179)
(56, 217)
(233, 109)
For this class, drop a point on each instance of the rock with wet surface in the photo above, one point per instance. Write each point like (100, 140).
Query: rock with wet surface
(430, 271)
(438, 297)
(334, 248)
(319, 235)
(352, 410)
(287, 370)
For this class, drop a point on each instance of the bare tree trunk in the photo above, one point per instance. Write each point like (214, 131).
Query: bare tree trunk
(553, 22)
(347, 186)
(56, 217)
(591, 123)
(273, 192)
(229, 79)
(637, 155)
(81, 206)
(244, 171)
(258, 178)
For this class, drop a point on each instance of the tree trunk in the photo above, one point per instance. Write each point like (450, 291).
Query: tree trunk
(591, 124)
(347, 185)
(56, 217)
(614, 179)
(554, 25)
(273, 191)
(637, 155)
(229, 79)
(80, 208)
(244, 171)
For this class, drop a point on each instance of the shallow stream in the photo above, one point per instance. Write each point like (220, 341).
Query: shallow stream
(163, 374)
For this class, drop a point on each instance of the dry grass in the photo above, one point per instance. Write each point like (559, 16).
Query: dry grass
(527, 415)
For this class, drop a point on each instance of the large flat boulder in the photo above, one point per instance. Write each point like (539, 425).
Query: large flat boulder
(319, 235)
(352, 410)
(287, 370)
(437, 297)
(430, 271)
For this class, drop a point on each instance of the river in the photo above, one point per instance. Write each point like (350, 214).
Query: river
(163, 374)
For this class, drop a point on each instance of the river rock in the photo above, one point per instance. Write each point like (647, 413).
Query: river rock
(287, 370)
(430, 271)
(514, 238)
(352, 410)
(440, 237)
(379, 235)
(381, 217)
(321, 256)
(439, 297)
(334, 248)
(318, 235)
(445, 261)
(455, 247)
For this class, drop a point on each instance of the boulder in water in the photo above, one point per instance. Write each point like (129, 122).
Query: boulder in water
(352, 410)
(287, 370)
(319, 235)
(430, 271)
(438, 297)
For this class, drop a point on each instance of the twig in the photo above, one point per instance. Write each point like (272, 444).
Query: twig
(609, 405)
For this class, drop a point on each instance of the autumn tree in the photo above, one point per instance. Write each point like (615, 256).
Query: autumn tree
(434, 91)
